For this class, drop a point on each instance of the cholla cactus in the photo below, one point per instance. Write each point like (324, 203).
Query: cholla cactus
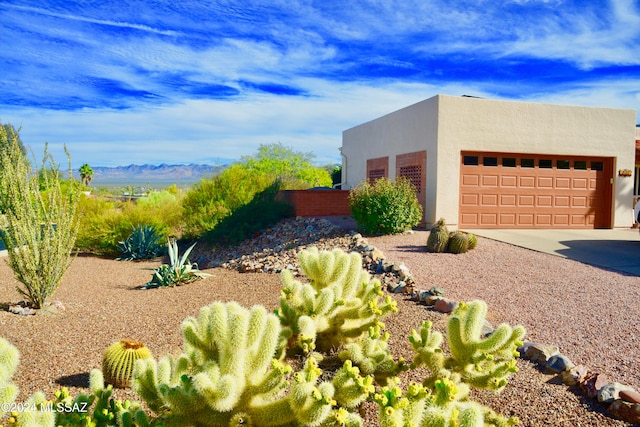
(97, 409)
(482, 362)
(371, 354)
(227, 376)
(443, 397)
(9, 359)
(340, 303)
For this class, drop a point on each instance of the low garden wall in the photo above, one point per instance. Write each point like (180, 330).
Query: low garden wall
(324, 202)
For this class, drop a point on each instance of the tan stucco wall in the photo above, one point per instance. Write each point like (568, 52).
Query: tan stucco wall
(414, 128)
(446, 125)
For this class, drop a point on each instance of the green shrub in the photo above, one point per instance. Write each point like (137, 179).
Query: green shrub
(214, 199)
(40, 222)
(385, 207)
(104, 223)
(142, 243)
(263, 211)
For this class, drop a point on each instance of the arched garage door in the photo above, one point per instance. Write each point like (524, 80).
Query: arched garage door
(506, 190)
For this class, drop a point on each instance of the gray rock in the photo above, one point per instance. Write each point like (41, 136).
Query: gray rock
(404, 272)
(487, 329)
(558, 363)
(437, 291)
(537, 352)
(399, 288)
(611, 392)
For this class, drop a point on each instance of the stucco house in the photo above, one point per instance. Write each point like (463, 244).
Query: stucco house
(482, 163)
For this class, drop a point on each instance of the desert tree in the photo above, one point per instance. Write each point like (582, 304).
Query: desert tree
(86, 174)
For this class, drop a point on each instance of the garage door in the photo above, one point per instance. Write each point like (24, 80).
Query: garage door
(500, 190)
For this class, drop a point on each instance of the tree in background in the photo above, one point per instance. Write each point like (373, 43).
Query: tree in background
(293, 168)
(86, 174)
(214, 199)
(39, 225)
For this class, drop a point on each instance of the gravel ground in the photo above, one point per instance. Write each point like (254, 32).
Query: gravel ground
(592, 314)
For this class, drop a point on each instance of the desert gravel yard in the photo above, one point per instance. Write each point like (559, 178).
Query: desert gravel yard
(592, 314)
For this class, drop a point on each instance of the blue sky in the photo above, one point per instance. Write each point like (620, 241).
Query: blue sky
(155, 81)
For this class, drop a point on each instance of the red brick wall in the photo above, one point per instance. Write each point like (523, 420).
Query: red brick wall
(377, 168)
(318, 202)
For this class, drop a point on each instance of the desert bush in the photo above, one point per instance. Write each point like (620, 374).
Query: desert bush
(213, 199)
(40, 222)
(104, 222)
(262, 211)
(293, 168)
(385, 207)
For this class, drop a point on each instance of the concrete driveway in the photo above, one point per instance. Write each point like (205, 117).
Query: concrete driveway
(617, 249)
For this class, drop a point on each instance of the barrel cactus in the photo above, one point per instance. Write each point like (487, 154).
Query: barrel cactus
(438, 237)
(118, 361)
(458, 242)
(473, 240)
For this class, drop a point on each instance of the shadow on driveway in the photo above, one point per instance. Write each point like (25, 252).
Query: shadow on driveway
(617, 249)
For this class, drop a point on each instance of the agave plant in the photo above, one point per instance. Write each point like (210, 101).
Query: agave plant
(142, 243)
(179, 270)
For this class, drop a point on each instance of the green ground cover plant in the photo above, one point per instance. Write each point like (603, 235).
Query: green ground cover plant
(385, 207)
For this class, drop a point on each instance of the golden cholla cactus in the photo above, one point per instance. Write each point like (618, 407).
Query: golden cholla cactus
(338, 305)
(228, 376)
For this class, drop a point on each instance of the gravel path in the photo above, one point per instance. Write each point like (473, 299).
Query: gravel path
(592, 314)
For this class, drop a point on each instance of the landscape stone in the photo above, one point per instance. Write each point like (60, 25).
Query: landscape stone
(432, 299)
(625, 411)
(537, 352)
(445, 305)
(610, 392)
(592, 382)
(574, 375)
(437, 291)
(558, 363)
(403, 272)
(487, 328)
(631, 395)
(400, 288)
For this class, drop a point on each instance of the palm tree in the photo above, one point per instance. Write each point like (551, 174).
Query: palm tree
(86, 174)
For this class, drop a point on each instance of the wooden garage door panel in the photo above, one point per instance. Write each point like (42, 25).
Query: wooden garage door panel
(555, 195)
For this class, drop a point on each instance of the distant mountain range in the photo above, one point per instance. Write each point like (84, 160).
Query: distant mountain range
(136, 174)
